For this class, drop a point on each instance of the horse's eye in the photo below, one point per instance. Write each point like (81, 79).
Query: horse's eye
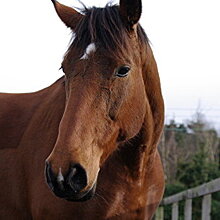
(122, 71)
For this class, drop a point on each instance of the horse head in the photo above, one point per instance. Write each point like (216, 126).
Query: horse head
(106, 97)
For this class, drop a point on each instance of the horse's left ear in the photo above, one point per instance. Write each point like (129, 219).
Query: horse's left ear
(69, 16)
(130, 11)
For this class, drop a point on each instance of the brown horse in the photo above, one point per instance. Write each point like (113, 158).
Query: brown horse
(86, 147)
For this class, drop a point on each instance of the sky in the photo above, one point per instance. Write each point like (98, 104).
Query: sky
(184, 35)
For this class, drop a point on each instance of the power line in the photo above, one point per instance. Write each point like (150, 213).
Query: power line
(184, 116)
(194, 109)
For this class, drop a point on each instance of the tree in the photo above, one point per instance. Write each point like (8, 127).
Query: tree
(190, 154)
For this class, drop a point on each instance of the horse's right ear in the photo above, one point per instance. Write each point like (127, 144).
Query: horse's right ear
(68, 15)
(130, 11)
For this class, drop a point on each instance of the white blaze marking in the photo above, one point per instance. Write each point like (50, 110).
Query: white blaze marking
(60, 177)
(90, 48)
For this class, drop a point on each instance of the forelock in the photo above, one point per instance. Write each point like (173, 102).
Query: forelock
(105, 28)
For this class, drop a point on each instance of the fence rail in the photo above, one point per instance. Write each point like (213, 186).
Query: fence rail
(205, 190)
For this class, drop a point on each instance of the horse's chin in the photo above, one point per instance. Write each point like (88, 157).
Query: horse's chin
(86, 196)
(80, 197)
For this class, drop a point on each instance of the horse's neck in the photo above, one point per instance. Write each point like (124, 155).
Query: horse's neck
(50, 109)
(20, 112)
(134, 155)
(128, 175)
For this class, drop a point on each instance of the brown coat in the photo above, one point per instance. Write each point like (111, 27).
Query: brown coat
(104, 126)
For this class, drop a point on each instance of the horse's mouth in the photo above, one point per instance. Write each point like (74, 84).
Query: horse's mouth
(76, 197)
(88, 195)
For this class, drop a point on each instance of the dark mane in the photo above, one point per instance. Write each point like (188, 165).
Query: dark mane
(104, 27)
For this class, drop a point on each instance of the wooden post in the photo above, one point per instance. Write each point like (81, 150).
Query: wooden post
(188, 209)
(206, 207)
(159, 213)
(204, 190)
(175, 211)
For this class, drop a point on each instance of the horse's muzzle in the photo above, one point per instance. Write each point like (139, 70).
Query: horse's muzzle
(70, 186)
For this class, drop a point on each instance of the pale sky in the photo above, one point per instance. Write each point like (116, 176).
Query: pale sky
(185, 37)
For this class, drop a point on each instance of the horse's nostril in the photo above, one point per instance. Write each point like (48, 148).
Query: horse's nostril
(49, 175)
(68, 184)
(77, 178)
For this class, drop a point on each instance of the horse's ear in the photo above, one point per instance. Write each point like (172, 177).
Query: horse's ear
(130, 11)
(68, 15)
